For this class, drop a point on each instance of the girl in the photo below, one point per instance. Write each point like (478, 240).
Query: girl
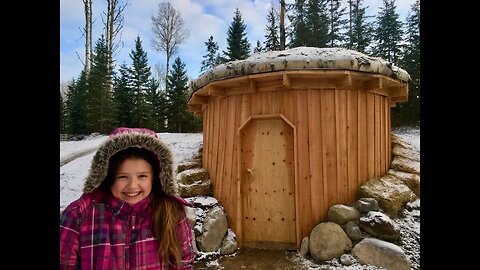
(130, 215)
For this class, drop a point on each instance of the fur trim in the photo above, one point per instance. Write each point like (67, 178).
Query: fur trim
(99, 166)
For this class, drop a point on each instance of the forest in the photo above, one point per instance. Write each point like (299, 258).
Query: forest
(107, 94)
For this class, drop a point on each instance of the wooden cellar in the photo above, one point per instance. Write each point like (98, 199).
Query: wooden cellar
(287, 134)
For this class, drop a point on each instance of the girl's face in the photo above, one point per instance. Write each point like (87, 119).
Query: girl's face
(133, 180)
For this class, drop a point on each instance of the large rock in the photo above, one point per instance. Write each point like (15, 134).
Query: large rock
(198, 189)
(342, 214)
(229, 243)
(390, 193)
(404, 149)
(380, 225)
(410, 179)
(402, 164)
(192, 176)
(214, 230)
(381, 253)
(328, 241)
(187, 166)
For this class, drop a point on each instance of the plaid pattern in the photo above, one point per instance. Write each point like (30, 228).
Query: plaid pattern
(107, 233)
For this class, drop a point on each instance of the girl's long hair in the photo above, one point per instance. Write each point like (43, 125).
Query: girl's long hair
(166, 211)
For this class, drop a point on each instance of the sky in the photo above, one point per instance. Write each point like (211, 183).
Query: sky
(202, 18)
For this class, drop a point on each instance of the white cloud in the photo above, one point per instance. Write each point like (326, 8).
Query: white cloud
(69, 11)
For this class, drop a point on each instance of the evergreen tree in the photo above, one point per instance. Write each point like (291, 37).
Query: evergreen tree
(258, 48)
(179, 118)
(176, 94)
(100, 112)
(316, 20)
(139, 79)
(298, 31)
(238, 47)
(409, 112)
(212, 58)
(123, 98)
(75, 106)
(62, 114)
(272, 42)
(361, 30)
(156, 102)
(337, 23)
(388, 34)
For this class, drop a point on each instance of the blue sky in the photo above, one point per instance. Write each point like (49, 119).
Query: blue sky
(203, 18)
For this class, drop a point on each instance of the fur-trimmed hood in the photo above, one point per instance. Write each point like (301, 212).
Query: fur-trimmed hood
(122, 138)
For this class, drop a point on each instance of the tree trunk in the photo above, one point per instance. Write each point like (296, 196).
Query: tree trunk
(109, 39)
(282, 25)
(88, 35)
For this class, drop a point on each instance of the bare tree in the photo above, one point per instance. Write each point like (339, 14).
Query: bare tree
(113, 26)
(87, 31)
(169, 31)
(282, 24)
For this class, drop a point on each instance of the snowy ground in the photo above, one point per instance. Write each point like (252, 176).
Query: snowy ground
(75, 158)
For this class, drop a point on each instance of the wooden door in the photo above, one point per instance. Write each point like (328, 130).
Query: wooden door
(268, 184)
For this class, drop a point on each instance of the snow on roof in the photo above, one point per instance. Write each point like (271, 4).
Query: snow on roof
(300, 58)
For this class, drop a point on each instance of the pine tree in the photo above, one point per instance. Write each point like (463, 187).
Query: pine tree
(258, 48)
(271, 37)
(156, 102)
(177, 97)
(298, 31)
(100, 112)
(212, 58)
(139, 79)
(388, 34)
(361, 30)
(316, 19)
(409, 112)
(76, 107)
(123, 98)
(337, 23)
(238, 47)
(62, 114)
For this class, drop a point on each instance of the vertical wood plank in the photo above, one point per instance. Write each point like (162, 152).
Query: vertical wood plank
(228, 180)
(277, 102)
(329, 147)
(206, 121)
(235, 204)
(215, 142)
(301, 122)
(219, 187)
(383, 131)
(352, 147)
(288, 105)
(371, 135)
(255, 104)
(211, 125)
(377, 136)
(342, 155)
(362, 138)
(389, 133)
(315, 132)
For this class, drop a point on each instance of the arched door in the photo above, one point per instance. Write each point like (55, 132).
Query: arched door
(268, 183)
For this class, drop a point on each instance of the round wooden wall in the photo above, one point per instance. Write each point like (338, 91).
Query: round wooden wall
(283, 147)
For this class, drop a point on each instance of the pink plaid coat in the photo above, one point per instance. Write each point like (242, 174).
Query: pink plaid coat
(98, 232)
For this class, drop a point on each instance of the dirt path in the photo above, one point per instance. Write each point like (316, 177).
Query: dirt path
(256, 259)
